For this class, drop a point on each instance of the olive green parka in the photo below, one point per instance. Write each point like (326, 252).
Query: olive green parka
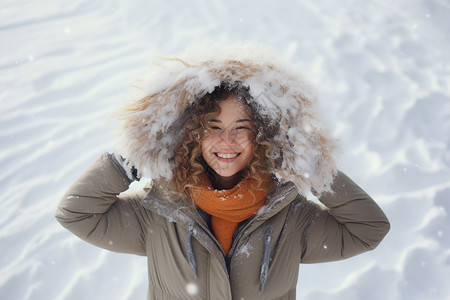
(185, 260)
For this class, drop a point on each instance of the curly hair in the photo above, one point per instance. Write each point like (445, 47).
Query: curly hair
(189, 162)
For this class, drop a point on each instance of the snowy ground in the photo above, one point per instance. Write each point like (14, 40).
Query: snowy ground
(383, 70)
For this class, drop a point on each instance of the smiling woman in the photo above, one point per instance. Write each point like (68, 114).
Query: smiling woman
(227, 215)
(234, 140)
(227, 147)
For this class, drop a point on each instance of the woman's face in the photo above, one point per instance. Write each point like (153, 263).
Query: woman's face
(228, 146)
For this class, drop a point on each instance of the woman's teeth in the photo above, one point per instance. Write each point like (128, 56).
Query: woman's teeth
(227, 155)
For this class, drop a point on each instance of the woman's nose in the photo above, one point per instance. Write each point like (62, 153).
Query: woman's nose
(228, 137)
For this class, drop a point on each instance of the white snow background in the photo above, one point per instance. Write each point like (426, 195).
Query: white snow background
(383, 71)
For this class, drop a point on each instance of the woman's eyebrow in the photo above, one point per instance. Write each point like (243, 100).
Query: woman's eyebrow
(243, 120)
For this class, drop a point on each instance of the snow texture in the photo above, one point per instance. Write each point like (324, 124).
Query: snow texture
(382, 73)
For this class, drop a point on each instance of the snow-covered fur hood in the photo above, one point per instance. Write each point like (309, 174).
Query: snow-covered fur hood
(151, 123)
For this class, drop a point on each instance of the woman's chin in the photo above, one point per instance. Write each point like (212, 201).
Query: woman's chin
(226, 173)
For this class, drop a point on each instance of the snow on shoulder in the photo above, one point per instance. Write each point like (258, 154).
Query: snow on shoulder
(153, 118)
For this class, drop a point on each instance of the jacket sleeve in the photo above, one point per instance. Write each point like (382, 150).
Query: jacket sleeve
(92, 210)
(350, 224)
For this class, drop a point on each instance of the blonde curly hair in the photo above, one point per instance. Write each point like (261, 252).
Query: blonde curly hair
(189, 162)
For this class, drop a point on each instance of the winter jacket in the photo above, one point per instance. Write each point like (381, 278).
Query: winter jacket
(185, 260)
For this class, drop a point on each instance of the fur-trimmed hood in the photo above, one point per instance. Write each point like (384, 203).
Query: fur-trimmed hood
(152, 121)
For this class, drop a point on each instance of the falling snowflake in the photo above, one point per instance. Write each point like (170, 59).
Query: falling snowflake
(191, 289)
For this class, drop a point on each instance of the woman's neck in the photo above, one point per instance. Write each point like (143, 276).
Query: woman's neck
(224, 182)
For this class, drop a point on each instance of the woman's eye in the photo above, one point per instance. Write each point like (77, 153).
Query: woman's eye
(215, 129)
(243, 128)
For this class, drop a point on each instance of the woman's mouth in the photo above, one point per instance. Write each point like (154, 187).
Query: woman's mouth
(226, 157)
